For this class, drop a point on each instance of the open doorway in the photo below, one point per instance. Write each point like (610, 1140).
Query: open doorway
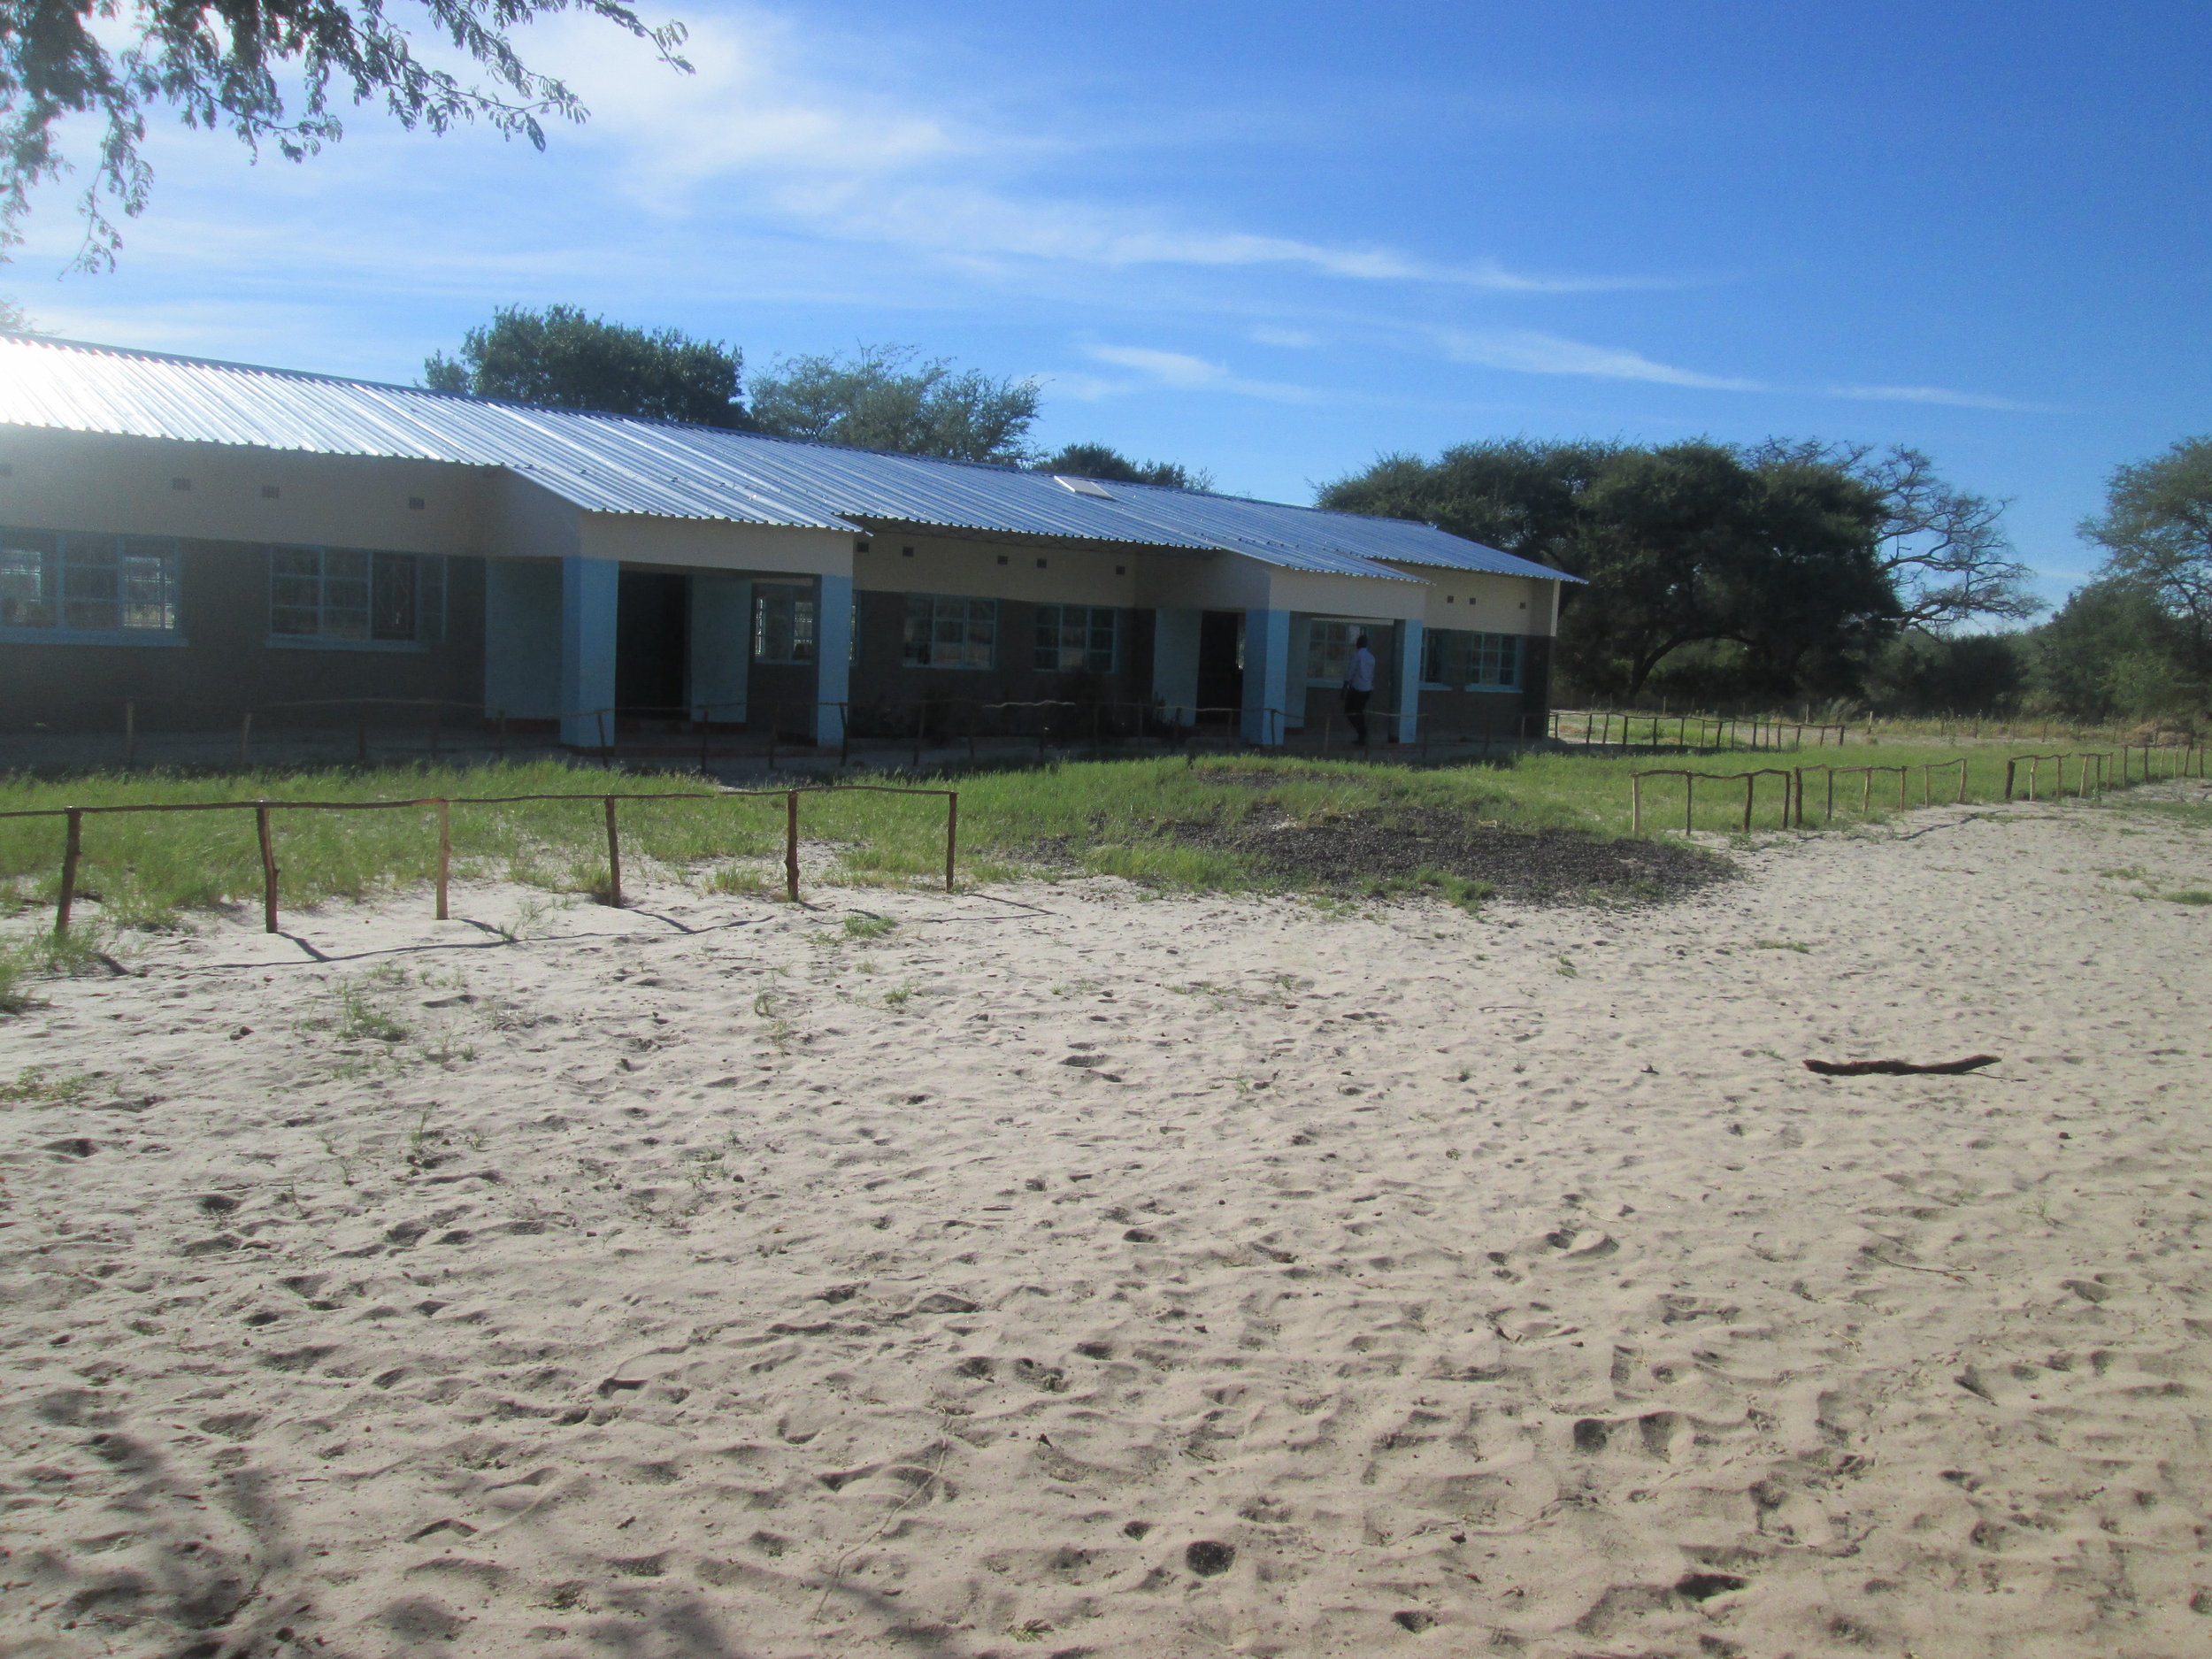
(652, 636)
(1220, 665)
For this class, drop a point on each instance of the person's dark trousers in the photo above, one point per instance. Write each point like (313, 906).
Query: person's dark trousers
(1356, 712)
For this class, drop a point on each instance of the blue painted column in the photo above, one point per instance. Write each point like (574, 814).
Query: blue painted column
(833, 655)
(1175, 663)
(1266, 675)
(1405, 725)
(721, 648)
(589, 593)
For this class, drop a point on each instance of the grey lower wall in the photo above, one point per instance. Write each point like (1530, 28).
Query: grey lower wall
(226, 665)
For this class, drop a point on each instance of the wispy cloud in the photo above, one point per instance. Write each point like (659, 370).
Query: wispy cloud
(763, 119)
(1941, 394)
(1185, 373)
(1527, 352)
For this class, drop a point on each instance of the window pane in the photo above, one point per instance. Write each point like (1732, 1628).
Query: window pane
(393, 616)
(296, 561)
(296, 620)
(346, 564)
(148, 599)
(27, 559)
(430, 598)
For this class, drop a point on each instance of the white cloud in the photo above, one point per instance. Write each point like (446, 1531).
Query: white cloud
(1188, 373)
(1292, 339)
(824, 148)
(1940, 394)
(1528, 352)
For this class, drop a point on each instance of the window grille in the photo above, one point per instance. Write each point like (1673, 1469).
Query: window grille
(78, 583)
(349, 596)
(946, 632)
(783, 623)
(1075, 637)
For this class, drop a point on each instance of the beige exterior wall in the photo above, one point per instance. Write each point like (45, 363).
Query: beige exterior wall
(1483, 602)
(1037, 573)
(70, 481)
(714, 544)
(1032, 573)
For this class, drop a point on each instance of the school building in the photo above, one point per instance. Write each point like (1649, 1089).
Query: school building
(200, 537)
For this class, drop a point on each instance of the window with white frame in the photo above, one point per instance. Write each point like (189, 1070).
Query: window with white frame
(351, 596)
(68, 583)
(1075, 637)
(1330, 642)
(1494, 660)
(946, 632)
(783, 623)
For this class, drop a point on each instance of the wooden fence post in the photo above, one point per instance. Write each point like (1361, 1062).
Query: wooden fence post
(1635, 804)
(614, 858)
(1797, 777)
(952, 832)
(1750, 780)
(268, 869)
(2011, 766)
(1829, 815)
(445, 856)
(791, 845)
(72, 846)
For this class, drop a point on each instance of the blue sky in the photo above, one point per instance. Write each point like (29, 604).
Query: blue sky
(1275, 241)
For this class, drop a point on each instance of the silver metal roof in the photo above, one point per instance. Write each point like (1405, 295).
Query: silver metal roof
(619, 463)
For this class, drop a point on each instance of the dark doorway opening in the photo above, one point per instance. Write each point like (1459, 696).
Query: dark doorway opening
(652, 639)
(1220, 665)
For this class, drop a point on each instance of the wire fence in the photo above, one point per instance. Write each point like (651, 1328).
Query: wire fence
(1611, 728)
(2096, 771)
(74, 818)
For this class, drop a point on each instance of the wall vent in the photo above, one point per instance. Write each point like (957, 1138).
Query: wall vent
(269, 492)
(179, 483)
(415, 503)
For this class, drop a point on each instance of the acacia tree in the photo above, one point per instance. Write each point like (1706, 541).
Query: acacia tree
(1943, 549)
(562, 356)
(2156, 531)
(223, 64)
(874, 400)
(1518, 495)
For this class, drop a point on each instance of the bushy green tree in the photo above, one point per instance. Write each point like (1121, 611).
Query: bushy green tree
(562, 356)
(1105, 462)
(880, 398)
(1921, 672)
(2156, 530)
(2111, 653)
(1517, 494)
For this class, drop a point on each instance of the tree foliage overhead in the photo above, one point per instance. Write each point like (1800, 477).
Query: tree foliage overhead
(1109, 466)
(880, 398)
(225, 64)
(562, 356)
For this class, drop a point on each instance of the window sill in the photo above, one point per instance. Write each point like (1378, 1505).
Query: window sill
(312, 642)
(91, 636)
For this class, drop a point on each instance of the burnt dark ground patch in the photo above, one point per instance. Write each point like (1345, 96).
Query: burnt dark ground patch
(1390, 850)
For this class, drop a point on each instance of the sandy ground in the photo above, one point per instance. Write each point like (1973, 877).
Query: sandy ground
(1068, 1272)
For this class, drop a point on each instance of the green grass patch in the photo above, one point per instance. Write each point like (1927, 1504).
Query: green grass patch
(41, 1084)
(2189, 896)
(1117, 817)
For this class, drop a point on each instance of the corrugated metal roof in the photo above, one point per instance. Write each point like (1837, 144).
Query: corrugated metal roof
(619, 463)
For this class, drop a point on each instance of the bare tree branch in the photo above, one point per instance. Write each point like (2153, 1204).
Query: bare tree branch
(1944, 549)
